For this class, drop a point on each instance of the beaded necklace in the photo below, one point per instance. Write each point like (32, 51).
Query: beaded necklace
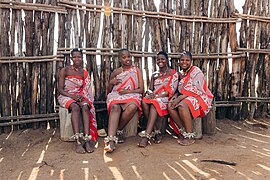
(186, 72)
(163, 73)
(75, 68)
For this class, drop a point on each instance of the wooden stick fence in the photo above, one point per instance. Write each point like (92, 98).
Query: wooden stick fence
(29, 70)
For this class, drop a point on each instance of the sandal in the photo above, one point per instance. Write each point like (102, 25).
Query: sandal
(120, 136)
(110, 141)
(145, 139)
(188, 139)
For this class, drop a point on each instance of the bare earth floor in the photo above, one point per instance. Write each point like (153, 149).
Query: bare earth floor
(40, 154)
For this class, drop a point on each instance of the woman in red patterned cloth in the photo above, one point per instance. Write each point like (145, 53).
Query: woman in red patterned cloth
(124, 100)
(75, 90)
(162, 86)
(192, 100)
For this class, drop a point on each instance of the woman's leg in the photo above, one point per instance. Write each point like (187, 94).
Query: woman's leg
(185, 116)
(159, 128)
(150, 124)
(186, 119)
(114, 117)
(86, 126)
(174, 115)
(75, 120)
(127, 115)
(145, 108)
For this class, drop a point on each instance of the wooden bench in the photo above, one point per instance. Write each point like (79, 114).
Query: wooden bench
(132, 126)
(66, 130)
(65, 125)
(205, 125)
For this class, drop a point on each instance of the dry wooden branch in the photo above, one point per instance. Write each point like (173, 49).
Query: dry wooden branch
(157, 15)
(35, 116)
(30, 61)
(28, 121)
(142, 54)
(32, 6)
(252, 17)
(263, 51)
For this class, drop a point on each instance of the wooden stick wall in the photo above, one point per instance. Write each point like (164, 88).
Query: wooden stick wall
(32, 32)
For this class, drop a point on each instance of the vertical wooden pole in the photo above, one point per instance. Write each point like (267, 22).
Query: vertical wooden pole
(36, 66)
(146, 42)
(19, 27)
(51, 67)
(206, 36)
(116, 32)
(5, 76)
(137, 43)
(161, 31)
(13, 66)
(236, 62)
(29, 24)
(243, 44)
(95, 19)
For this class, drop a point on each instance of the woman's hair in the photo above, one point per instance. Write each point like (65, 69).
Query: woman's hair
(120, 52)
(76, 50)
(186, 53)
(164, 54)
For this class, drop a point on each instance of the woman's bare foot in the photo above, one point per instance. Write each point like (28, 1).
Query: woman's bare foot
(143, 143)
(158, 138)
(109, 147)
(79, 148)
(186, 141)
(89, 147)
(120, 136)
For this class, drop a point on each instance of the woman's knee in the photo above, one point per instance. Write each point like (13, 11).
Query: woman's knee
(85, 108)
(170, 109)
(182, 107)
(133, 107)
(75, 107)
(153, 108)
(115, 108)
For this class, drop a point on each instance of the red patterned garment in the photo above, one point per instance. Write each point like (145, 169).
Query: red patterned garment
(129, 81)
(199, 98)
(161, 85)
(82, 86)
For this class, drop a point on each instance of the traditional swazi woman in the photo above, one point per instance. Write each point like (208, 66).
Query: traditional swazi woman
(76, 95)
(192, 100)
(162, 87)
(124, 100)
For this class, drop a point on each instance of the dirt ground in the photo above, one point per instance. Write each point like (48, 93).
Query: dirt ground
(40, 154)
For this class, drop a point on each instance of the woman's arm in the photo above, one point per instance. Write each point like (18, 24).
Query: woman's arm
(113, 80)
(149, 94)
(61, 84)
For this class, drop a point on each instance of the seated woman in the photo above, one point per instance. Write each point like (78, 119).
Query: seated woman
(75, 91)
(162, 86)
(193, 99)
(124, 99)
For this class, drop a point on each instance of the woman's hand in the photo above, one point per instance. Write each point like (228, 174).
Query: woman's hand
(124, 92)
(174, 102)
(115, 81)
(150, 96)
(77, 97)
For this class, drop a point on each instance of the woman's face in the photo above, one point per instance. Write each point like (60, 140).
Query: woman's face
(126, 59)
(77, 59)
(185, 62)
(161, 61)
